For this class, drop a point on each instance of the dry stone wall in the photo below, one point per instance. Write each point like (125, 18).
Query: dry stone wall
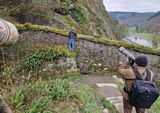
(95, 56)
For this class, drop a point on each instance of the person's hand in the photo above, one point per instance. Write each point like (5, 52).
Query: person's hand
(126, 59)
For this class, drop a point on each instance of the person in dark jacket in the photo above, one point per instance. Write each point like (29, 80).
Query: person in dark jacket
(72, 37)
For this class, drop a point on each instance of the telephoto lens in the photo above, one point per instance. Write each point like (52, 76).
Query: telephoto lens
(128, 55)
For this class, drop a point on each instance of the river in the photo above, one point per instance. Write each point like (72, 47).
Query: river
(139, 41)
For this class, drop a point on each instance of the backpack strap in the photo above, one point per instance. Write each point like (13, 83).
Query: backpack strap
(137, 74)
(148, 76)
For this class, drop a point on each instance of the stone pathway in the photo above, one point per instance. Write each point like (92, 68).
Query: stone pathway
(107, 87)
(111, 92)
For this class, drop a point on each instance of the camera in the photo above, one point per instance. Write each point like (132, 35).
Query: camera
(128, 55)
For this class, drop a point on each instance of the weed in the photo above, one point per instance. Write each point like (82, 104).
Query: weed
(86, 97)
(109, 106)
(40, 106)
(59, 89)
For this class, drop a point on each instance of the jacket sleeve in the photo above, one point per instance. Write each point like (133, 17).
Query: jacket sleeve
(125, 71)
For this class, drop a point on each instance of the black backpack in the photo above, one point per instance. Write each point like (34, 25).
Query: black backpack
(143, 93)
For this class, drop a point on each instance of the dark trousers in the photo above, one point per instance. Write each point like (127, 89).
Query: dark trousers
(128, 107)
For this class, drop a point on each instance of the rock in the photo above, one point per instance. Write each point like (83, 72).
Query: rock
(4, 108)
(105, 69)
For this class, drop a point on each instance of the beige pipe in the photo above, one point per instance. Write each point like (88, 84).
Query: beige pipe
(8, 33)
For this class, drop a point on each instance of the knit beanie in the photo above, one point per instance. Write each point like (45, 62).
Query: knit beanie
(141, 60)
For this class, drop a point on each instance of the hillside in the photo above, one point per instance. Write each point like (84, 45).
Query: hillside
(154, 22)
(131, 19)
(87, 16)
(38, 75)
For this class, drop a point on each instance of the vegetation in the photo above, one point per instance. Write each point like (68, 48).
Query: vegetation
(153, 37)
(134, 32)
(45, 96)
(33, 60)
(109, 106)
(155, 107)
(119, 31)
(156, 39)
(72, 6)
(25, 27)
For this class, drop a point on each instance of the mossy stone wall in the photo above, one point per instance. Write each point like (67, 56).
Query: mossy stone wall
(96, 55)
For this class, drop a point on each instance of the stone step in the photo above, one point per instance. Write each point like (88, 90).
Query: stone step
(115, 98)
(105, 110)
(117, 101)
(106, 85)
(119, 107)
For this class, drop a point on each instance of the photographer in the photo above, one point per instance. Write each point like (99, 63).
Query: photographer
(140, 63)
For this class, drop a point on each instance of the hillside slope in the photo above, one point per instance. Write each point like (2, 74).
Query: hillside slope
(88, 16)
(154, 22)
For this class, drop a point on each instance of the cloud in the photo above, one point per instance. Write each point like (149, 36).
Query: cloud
(132, 5)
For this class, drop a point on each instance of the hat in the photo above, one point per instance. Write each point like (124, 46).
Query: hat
(141, 60)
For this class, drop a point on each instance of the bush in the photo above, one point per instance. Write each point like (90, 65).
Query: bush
(72, 6)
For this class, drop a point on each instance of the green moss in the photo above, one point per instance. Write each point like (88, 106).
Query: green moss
(143, 49)
(26, 27)
(116, 43)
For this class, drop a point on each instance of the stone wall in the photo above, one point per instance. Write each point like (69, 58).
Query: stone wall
(99, 55)
(94, 55)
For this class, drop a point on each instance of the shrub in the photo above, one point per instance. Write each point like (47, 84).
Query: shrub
(72, 6)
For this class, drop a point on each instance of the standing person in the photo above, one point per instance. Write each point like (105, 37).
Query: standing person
(72, 37)
(128, 75)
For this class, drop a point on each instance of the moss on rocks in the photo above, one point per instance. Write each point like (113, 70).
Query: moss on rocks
(26, 27)
(101, 40)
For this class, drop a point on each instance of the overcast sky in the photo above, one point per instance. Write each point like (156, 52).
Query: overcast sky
(132, 5)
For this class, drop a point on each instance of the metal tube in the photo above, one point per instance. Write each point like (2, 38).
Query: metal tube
(8, 33)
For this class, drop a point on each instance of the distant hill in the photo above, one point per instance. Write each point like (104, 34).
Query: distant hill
(154, 22)
(154, 15)
(131, 18)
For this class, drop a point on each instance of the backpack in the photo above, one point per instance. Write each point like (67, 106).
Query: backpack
(143, 93)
